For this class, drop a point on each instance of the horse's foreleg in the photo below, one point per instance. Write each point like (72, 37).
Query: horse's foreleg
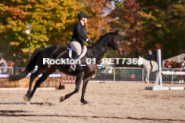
(85, 82)
(78, 82)
(147, 76)
(83, 91)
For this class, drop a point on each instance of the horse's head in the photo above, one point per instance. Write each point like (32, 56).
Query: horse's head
(115, 43)
(166, 64)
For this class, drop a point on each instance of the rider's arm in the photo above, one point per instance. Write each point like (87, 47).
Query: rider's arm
(1, 56)
(80, 34)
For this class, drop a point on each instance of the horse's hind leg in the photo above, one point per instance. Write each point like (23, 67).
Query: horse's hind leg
(40, 80)
(78, 82)
(32, 77)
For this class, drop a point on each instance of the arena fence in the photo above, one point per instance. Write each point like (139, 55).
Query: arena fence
(66, 79)
(118, 74)
(135, 74)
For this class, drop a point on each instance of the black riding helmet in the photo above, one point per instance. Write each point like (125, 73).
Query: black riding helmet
(81, 15)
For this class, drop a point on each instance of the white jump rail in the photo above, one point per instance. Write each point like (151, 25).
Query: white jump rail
(51, 75)
(158, 81)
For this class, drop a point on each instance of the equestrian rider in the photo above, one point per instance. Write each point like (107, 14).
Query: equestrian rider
(78, 37)
(150, 57)
(1, 59)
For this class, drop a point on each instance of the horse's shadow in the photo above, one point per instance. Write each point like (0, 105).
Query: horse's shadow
(22, 113)
(24, 103)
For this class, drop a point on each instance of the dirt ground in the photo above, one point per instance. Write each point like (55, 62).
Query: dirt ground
(119, 102)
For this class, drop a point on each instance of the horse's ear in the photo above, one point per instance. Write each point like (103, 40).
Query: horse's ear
(116, 32)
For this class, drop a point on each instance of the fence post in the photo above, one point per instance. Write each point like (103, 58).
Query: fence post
(12, 70)
(172, 77)
(114, 75)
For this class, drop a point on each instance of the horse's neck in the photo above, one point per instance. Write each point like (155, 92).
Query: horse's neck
(145, 62)
(99, 49)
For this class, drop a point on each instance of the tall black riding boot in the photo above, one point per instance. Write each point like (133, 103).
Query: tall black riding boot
(151, 65)
(73, 66)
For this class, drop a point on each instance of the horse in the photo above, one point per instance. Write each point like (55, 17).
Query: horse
(109, 40)
(147, 67)
(174, 64)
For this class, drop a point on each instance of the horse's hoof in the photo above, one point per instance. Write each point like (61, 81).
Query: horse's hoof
(84, 102)
(61, 87)
(62, 99)
(26, 98)
(45, 103)
(27, 102)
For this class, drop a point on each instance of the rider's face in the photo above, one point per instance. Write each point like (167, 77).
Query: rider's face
(84, 20)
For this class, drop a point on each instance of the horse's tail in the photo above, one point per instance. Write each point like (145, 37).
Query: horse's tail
(30, 66)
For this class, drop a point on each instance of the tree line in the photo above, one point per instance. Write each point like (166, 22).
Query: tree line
(143, 25)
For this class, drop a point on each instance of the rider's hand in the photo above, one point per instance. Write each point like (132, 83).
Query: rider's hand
(90, 41)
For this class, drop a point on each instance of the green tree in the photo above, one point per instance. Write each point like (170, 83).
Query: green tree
(51, 24)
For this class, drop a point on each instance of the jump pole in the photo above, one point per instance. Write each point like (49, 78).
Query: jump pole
(158, 81)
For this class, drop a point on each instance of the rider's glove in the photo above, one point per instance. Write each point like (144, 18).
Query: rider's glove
(89, 41)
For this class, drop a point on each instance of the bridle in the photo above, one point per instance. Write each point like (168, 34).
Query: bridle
(116, 47)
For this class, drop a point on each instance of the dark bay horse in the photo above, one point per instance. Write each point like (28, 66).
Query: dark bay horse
(109, 40)
(174, 64)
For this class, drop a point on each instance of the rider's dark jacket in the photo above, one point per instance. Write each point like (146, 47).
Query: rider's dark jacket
(79, 33)
(150, 57)
(1, 56)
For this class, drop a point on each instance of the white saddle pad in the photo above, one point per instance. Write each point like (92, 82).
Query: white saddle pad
(84, 51)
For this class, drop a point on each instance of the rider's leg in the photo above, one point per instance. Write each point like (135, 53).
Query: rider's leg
(74, 57)
(151, 65)
(76, 52)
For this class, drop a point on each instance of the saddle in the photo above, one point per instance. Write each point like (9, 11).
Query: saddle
(84, 51)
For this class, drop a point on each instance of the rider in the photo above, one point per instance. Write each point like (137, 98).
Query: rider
(78, 37)
(1, 59)
(150, 57)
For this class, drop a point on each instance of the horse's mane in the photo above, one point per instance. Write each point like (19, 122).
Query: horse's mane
(103, 36)
(99, 40)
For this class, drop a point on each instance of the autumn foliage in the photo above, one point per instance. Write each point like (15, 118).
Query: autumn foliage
(143, 24)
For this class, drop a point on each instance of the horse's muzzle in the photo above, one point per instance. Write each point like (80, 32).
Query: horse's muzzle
(121, 52)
